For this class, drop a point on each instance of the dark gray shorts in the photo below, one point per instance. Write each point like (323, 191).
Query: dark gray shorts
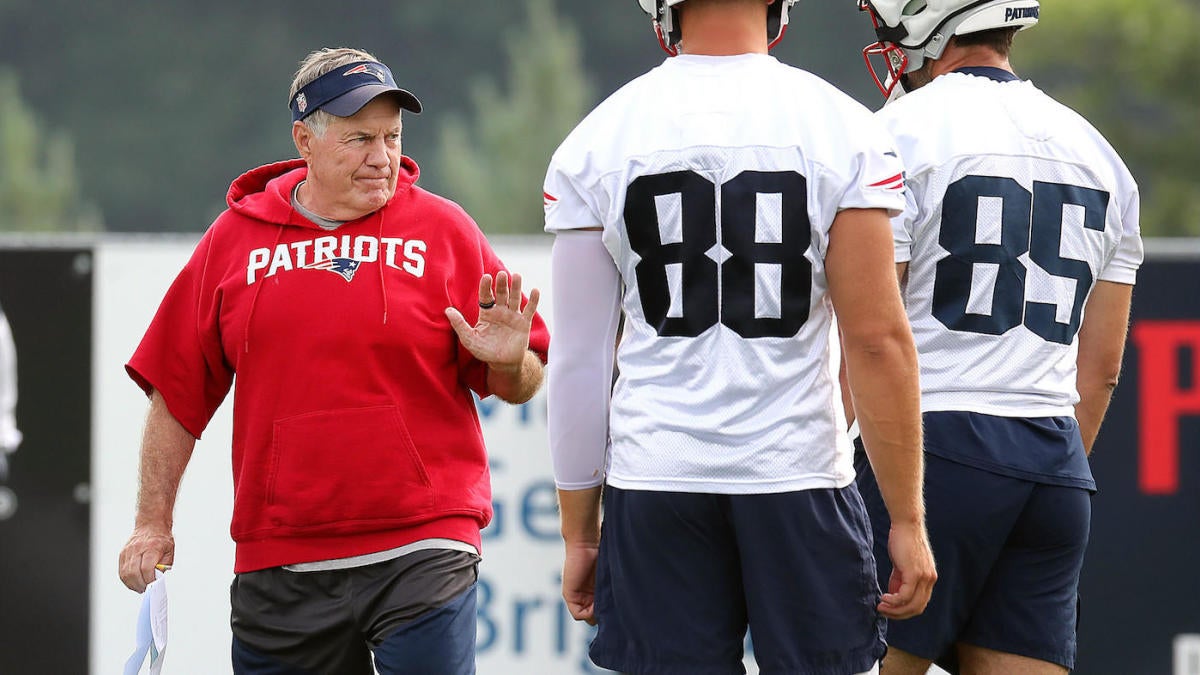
(415, 609)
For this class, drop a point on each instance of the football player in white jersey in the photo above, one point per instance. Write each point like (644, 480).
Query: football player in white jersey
(725, 204)
(1017, 253)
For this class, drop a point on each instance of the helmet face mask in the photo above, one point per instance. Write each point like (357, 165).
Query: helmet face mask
(666, 26)
(910, 31)
(893, 66)
(893, 59)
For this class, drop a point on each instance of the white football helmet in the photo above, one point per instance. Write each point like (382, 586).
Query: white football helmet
(666, 24)
(911, 31)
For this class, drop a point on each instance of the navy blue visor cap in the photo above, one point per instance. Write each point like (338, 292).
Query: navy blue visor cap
(345, 90)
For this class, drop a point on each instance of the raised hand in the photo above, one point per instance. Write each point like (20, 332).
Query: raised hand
(501, 336)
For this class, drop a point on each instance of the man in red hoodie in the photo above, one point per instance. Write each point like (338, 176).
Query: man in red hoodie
(358, 313)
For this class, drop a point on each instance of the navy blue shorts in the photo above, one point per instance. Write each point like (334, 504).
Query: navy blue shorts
(680, 577)
(1009, 552)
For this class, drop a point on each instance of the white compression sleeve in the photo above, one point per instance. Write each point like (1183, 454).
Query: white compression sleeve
(586, 312)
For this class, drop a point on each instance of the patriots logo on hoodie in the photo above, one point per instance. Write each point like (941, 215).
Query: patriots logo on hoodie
(343, 266)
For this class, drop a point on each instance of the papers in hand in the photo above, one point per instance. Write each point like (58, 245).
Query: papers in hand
(151, 628)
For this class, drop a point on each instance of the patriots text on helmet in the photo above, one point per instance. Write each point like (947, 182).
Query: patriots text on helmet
(402, 254)
(1016, 13)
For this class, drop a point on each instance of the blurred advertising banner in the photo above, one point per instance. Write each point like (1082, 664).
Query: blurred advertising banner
(45, 465)
(1139, 578)
(523, 624)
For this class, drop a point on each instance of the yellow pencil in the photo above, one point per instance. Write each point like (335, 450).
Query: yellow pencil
(162, 567)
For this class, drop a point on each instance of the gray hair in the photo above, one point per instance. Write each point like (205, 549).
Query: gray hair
(317, 64)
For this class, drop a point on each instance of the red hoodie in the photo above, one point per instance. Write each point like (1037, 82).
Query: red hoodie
(354, 430)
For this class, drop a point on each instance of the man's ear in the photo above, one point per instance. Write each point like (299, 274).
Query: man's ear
(303, 137)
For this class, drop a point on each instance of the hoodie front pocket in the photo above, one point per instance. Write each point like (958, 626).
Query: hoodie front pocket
(345, 468)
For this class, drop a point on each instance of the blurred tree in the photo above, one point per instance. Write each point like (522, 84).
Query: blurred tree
(1126, 66)
(168, 101)
(494, 165)
(39, 191)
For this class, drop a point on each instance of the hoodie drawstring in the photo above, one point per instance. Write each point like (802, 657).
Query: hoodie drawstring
(258, 286)
(380, 264)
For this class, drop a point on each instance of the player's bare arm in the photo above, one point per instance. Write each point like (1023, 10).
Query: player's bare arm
(501, 337)
(1101, 346)
(844, 384)
(881, 369)
(166, 448)
(579, 511)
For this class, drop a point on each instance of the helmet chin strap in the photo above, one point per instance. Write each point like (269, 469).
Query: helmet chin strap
(896, 87)
(782, 30)
(664, 41)
(914, 60)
